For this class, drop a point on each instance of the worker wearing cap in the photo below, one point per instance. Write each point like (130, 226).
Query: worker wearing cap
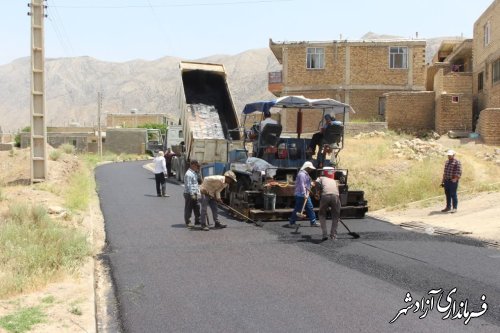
(210, 189)
(302, 189)
(329, 198)
(451, 175)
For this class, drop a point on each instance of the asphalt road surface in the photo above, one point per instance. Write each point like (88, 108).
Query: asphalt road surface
(249, 279)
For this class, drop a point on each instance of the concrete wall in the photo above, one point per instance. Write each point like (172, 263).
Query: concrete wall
(410, 111)
(6, 137)
(488, 126)
(126, 140)
(132, 120)
(6, 146)
(79, 140)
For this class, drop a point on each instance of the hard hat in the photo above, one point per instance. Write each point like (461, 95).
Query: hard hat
(308, 165)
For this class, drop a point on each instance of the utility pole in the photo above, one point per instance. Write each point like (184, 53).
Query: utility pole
(38, 128)
(99, 140)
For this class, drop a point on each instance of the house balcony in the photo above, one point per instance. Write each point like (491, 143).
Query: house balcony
(275, 82)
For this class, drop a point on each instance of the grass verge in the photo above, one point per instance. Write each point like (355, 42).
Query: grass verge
(23, 320)
(34, 249)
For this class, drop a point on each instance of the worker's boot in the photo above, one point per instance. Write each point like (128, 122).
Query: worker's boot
(219, 225)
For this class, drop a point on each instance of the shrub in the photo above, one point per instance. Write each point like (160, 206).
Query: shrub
(67, 148)
(55, 154)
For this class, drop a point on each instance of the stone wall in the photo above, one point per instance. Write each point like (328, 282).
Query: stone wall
(488, 126)
(410, 111)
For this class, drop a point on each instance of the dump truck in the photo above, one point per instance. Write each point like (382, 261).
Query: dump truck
(210, 124)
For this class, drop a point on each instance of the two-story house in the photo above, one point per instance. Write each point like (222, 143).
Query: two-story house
(355, 72)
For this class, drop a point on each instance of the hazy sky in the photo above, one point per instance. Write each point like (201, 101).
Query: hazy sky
(121, 30)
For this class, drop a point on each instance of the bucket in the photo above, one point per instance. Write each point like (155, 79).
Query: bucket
(269, 201)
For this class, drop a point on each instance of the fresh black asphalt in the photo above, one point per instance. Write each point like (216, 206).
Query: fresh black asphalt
(249, 279)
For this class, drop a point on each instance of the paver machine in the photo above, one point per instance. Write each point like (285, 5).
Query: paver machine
(266, 179)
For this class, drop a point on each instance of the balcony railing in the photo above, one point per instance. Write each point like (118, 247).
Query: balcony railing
(275, 82)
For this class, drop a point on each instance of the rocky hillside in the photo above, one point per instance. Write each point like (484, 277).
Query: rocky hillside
(148, 86)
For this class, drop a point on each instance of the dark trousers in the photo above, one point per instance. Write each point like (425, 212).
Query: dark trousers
(450, 190)
(207, 200)
(169, 169)
(315, 141)
(161, 186)
(191, 205)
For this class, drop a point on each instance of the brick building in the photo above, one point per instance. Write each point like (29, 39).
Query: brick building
(358, 73)
(486, 73)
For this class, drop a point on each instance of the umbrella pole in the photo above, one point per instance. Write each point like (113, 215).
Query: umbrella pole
(299, 123)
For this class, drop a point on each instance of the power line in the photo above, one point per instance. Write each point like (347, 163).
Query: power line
(159, 23)
(59, 29)
(212, 4)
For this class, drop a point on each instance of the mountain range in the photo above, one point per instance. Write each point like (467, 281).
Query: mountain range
(72, 85)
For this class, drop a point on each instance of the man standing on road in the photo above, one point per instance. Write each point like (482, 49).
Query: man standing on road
(329, 198)
(160, 171)
(191, 193)
(451, 175)
(210, 189)
(302, 189)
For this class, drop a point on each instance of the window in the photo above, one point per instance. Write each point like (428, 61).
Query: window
(398, 57)
(495, 71)
(480, 80)
(455, 99)
(487, 33)
(315, 58)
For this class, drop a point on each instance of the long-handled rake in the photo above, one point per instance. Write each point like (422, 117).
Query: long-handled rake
(257, 223)
(354, 235)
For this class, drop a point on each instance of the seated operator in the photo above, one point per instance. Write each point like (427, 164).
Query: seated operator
(318, 137)
(256, 131)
